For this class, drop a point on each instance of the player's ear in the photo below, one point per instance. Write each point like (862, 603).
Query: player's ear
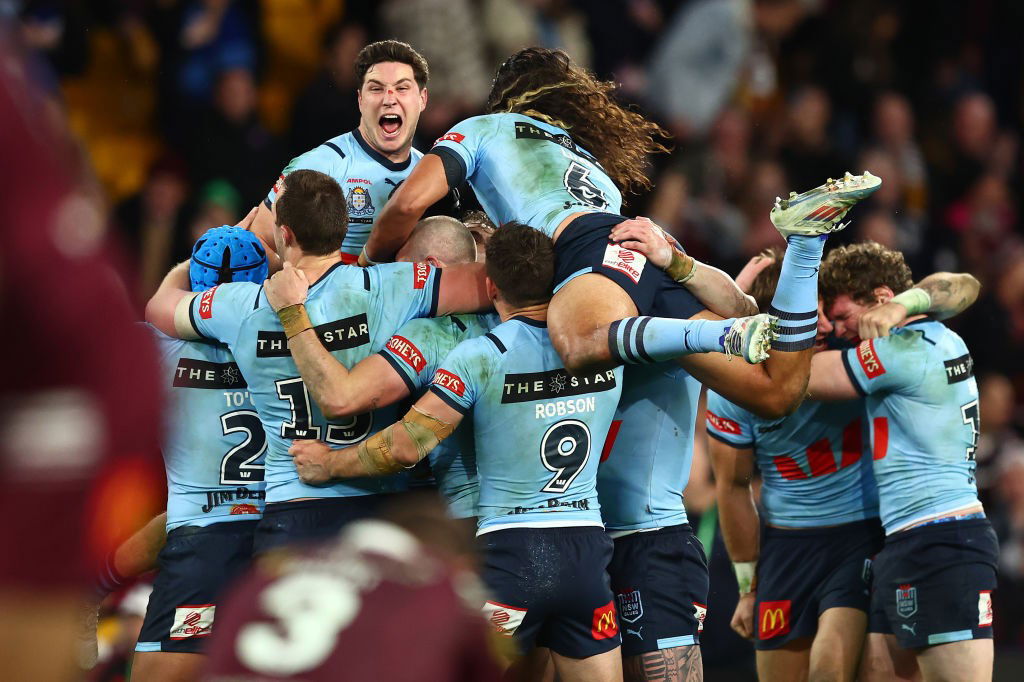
(491, 287)
(289, 236)
(433, 262)
(423, 99)
(883, 294)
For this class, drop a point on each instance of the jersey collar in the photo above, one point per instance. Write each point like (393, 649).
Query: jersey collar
(378, 157)
(326, 274)
(530, 321)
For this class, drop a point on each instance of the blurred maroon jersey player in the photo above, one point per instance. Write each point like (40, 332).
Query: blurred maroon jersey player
(79, 420)
(371, 605)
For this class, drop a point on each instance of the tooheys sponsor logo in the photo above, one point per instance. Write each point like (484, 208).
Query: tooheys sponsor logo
(773, 618)
(451, 137)
(407, 350)
(349, 332)
(452, 382)
(604, 625)
(192, 373)
(420, 274)
(206, 304)
(723, 424)
(869, 360)
(554, 383)
(959, 369)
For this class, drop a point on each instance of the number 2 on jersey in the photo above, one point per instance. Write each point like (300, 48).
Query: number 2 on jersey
(237, 467)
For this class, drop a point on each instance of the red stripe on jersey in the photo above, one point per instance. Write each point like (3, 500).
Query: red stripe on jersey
(609, 442)
(821, 459)
(788, 468)
(881, 426)
(853, 443)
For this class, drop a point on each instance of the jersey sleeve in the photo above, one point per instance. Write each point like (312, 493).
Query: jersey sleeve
(217, 313)
(415, 351)
(728, 422)
(460, 147)
(404, 291)
(888, 363)
(327, 158)
(461, 377)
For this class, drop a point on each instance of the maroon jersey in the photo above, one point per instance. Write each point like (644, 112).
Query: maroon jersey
(372, 605)
(79, 420)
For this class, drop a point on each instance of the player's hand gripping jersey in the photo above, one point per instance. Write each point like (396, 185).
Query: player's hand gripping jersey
(539, 431)
(367, 177)
(363, 308)
(416, 352)
(214, 440)
(525, 170)
(814, 463)
(922, 401)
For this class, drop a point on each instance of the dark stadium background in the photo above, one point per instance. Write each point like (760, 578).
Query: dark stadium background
(188, 109)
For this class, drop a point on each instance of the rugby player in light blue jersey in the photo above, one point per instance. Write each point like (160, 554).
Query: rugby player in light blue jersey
(933, 579)
(213, 452)
(539, 432)
(557, 151)
(371, 161)
(405, 365)
(363, 308)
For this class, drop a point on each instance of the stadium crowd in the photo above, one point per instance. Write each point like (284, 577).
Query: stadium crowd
(186, 109)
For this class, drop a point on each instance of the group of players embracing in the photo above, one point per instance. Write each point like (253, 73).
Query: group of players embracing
(550, 373)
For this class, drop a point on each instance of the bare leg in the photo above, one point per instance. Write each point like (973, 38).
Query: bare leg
(536, 666)
(579, 317)
(677, 664)
(606, 667)
(884, 660)
(967, 661)
(163, 666)
(138, 554)
(788, 663)
(837, 645)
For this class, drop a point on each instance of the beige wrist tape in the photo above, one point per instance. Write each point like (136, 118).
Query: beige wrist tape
(425, 432)
(375, 453)
(294, 319)
(682, 268)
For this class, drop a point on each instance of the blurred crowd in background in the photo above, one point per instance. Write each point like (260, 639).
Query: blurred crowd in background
(189, 109)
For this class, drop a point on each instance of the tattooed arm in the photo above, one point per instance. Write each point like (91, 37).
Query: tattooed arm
(940, 295)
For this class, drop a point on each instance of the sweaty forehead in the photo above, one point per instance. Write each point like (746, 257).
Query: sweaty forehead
(390, 73)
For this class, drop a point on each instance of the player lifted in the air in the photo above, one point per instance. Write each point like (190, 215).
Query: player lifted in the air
(933, 579)
(557, 152)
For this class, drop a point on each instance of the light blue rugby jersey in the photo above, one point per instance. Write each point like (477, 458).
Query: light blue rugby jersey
(922, 401)
(367, 177)
(355, 310)
(416, 352)
(815, 463)
(539, 432)
(526, 170)
(646, 464)
(214, 442)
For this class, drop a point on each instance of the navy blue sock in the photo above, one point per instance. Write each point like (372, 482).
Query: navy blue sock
(796, 297)
(645, 340)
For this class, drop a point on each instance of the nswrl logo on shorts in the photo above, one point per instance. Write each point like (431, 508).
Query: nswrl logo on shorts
(906, 601)
(631, 607)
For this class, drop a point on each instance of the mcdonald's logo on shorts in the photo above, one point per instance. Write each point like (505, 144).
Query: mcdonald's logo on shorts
(605, 625)
(773, 618)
